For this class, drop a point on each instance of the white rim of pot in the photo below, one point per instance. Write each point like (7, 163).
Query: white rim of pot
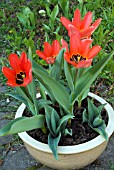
(74, 148)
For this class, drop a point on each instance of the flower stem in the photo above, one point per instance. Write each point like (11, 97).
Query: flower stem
(75, 78)
(44, 130)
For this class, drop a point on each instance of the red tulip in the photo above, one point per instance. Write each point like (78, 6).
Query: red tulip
(50, 51)
(82, 26)
(21, 72)
(80, 54)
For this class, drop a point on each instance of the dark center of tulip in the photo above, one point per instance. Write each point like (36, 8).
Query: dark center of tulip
(20, 78)
(77, 58)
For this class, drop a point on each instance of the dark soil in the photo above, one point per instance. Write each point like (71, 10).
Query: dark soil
(81, 132)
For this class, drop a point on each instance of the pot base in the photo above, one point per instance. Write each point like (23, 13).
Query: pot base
(67, 161)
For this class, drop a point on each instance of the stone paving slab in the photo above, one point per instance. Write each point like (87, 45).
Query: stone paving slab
(18, 158)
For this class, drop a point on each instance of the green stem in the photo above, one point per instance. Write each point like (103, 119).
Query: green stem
(44, 130)
(79, 103)
(28, 94)
(75, 78)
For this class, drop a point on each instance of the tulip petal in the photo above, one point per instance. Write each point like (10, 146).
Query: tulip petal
(47, 49)
(64, 45)
(87, 32)
(27, 66)
(9, 73)
(15, 62)
(94, 51)
(28, 78)
(75, 44)
(23, 58)
(55, 47)
(96, 24)
(41, 54)
(72, 30)
(76, 20)
(84, 64)
(86, 22)
(65, 22)
(85, 46)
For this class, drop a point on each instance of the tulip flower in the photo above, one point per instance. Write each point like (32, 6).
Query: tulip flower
(21, 72)
(82, 26)
(50, 51)
(80, 54)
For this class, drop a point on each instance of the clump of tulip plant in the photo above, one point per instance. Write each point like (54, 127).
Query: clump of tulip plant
(74, 61)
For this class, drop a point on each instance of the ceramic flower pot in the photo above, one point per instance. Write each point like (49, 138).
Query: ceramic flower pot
(70, 157)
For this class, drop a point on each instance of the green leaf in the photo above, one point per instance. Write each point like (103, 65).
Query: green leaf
(54, 121)
(32, 87)
(21, 91)
(23, 19)
(18, 97)
(22, 124)
(48, 10)
(92, 111)
(64, 119)
(112, 67)
(97, 121)
(68, 132)
(51, 115)
(64, 4)
(32, 19)
(102, 132)
(54, 13)
(85, 81)
(53, 144)
(47, 27)
(36, 65)
(42, 103)
(59, 91)
(26, 11)
(84, 116)
(68, 75)
(57, 66)
(101, 107)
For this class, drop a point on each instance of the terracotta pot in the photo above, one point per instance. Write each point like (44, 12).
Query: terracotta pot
(70, 157)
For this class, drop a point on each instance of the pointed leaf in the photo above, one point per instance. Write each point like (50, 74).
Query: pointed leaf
(32, 19)
(54, 13)
(102, 132)
(84, 116)
(101, 107)
(64, 119)
(22, 92)
(48, 112)
(85, 81)
(68, 75)
(36, 65)
(22, 124)
(92, 111)
(53, 144)
(42, 103)
(54, 121)
(97, 121)
(57, 66)
(59, 91)
(32, 87)
(68, 132)
(18, 97)
(23, 19)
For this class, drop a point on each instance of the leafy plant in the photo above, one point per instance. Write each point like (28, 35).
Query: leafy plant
(94, 119)
(27, 18)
